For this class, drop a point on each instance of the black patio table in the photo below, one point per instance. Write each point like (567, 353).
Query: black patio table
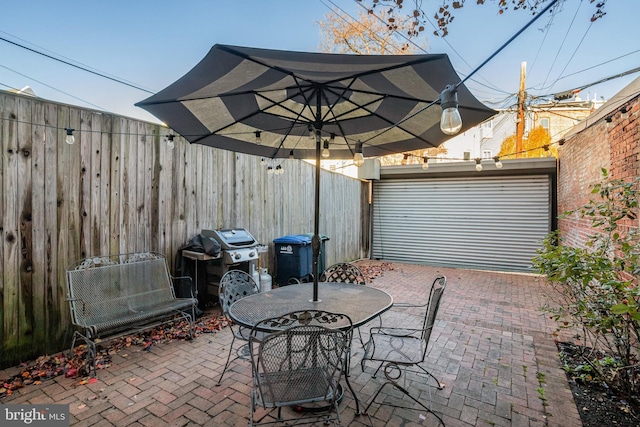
(360, 303)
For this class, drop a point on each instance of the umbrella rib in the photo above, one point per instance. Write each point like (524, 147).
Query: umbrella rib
(392, 124)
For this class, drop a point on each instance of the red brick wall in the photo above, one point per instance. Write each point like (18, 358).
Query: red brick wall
(615, 147)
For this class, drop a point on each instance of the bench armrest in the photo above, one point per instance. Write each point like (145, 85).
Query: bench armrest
(176, 279)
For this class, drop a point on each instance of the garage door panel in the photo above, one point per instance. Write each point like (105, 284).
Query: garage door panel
(490, 223)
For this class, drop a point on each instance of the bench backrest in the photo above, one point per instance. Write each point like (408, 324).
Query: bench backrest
(110, 288)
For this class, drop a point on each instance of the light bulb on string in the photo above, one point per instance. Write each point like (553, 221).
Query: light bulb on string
(170, 143)
(258, 137)
(624, 113)
(450, 121)
(325, 150)
(498, 162)
(69, 139)
(358, 157)
(425, 163)
(478, 164)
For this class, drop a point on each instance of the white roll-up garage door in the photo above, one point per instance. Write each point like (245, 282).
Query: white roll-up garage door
(493, 223)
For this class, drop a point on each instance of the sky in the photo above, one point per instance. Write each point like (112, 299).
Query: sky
(151, 43)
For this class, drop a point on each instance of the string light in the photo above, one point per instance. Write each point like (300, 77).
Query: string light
(608, 120)
(325, 150)
(258, 137)
(358, 157)
(69, 139)
(478, 164)
(170, 142)
(404, 159)
(263, 160)
(425, 163)
(624, 114)
(450, 122)
(498, 162)
(291, 155)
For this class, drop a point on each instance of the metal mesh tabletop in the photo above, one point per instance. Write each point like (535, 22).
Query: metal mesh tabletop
(360, 303)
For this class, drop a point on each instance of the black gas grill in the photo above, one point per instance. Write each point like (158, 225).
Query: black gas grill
(239, 252)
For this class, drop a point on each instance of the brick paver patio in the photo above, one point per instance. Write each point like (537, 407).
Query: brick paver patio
(491, 346)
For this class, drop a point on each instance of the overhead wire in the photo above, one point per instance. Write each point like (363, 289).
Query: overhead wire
(488, 84)
(545, 30)
(598, 65)
(603, 80)
(51, 87)
(567, 32)
(117, 80)
(573, 54)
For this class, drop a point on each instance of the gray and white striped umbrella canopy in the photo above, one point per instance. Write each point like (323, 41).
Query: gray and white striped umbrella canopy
(385, 101)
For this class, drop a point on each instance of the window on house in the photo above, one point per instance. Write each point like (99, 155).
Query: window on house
(487, 154)
(486, 129)
(544, 122)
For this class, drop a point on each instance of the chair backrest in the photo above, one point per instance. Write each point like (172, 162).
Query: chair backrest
(302, 359)
(435, 296)
(235, 285)
(343, 273)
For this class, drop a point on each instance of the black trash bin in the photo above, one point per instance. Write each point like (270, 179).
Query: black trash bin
(294, 258)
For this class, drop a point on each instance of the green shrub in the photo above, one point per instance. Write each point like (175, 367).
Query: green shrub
(597, 284)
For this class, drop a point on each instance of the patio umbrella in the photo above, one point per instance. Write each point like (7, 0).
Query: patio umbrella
(269, 102)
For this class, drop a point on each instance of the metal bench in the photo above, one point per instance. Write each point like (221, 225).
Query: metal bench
(115, 295)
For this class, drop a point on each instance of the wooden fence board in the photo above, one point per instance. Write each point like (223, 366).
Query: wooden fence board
(38, 210)
(25, 217)
(11, 283)
(56, 305)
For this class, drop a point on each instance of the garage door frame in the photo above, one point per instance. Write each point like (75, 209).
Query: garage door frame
(500, 243)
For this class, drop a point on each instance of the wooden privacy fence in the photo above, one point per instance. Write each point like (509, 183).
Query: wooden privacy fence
(118, 189)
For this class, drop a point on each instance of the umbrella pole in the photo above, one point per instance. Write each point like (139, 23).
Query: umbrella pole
(315, 243)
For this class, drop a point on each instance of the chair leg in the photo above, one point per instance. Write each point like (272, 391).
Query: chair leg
(226, 365)
(440, 386)
(397, 386)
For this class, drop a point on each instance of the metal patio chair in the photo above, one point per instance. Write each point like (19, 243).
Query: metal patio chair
(298, 359)
(401, 349)
(343, 273)
(235, 285)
